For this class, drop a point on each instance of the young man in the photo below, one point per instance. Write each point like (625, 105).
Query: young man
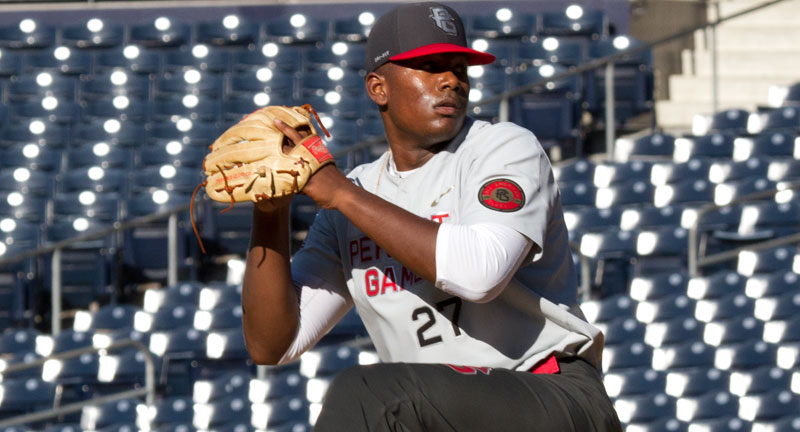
(453, 248)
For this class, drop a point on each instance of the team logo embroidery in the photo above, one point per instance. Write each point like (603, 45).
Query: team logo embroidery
(502, 195)
(444, 20)
(317, 148)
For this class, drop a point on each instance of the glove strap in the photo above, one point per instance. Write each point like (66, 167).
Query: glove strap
(317, 148)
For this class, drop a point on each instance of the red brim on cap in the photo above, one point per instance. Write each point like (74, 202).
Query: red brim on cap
(475, 57)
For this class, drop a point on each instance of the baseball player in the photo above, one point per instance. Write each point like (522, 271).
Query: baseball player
(453, 248)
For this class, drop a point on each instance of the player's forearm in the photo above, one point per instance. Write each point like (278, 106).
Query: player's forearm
(405, 236)
(269, 301)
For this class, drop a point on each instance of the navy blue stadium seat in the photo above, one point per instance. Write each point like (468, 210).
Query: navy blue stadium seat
(36, 86)
(760, 380)
(732, 330)
(343, 81)
(665, 308)
(27, 34)
(221, 317)
(236, 108)
(276, 84)
(193, 107)
(349, 56)
(107, 317)
(609, 308)
(85, 159)
(712, 145)
(503, 23)
(648, 146)
(109, 130)
(780, 307)
(647, 408)
(639, 192)
(281, 412)
(724, 424)
(659, 285)
(177, 155)
(10, 63)
(783, 118)
(778, 144)
(161, 32)
(277, 386)
(107, 84)
(296, 29)
(552, 50)
(725, 170)
(60, 60)
(173, 410)
(685, 355)
(633, 382)
(696, 381)
(101, 206)
(766, 261)
(354, 28)
(131, 57)
(205, 58)
(230, 30)
(573, 21)
(745, 355)
(184, 131)
(221, 413)
(622, 330)
(30, 184)
(578, 170)
(228, 384)
(731, 121)
(271, 55)
(25, 395)
(644, 217)
(630, 355)
(19, 207)
(64, 111)
(776, 404)
(709, 406)
(190, 81)
(122, 107)
(487, 78)
(549, 111)
(771, 284)
(93, 33)
(697, 191)
(95, 417)
(591, 219)
(673, 331)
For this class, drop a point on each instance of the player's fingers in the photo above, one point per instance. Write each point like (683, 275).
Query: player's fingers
(290, 132)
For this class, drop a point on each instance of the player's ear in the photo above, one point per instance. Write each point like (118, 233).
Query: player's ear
(376, 88)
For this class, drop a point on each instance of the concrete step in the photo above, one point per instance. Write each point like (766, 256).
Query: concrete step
(686, 88)
(766, 64)
(770, 38)
(786, 12)
(676, 115)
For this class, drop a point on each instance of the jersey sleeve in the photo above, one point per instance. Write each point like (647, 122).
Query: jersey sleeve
(509, 181)
(321, 288)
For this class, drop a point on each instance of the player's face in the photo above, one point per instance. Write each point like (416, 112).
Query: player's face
(427, 97)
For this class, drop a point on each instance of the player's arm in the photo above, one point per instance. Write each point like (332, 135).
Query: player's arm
(270, 312)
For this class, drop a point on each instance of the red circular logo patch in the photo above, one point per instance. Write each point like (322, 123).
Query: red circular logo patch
(502, 194)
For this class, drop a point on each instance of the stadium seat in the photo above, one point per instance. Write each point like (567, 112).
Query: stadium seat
(174, 154)
(276, 85)
(781, 307)
(189, 81)
(60, 60)
(573, 20)
(133, 58)
(697, 191)
(775, 119)
(227, 347)
(726, 171)
(10, 63)
(713, 145)
(663, 173)
(771, 284)
(578, 170)
(296, 29)
(184, 131)
(200, 57)
(622, 330)
(95, 417)
(717, 285)
(696, 381)
(25, 395)
(230, 30)
(607, 309)
(765, 261)
(223, 386)
(37, 86)
(723, 424)
(665, 308)
(633, 192)
(659, 285)
(168, 411)
(177, 341)
(722, 308)
(31, 156)
(165, 318)
(732, 121)
(27, 33)
(774, 405)
(184, 293)
(354, 28)
(345, 82)
(745, 355)
(502, 23)
(161, 32)
(711, 405)
(271, 55)
(222, 317)
(16, 206)
(645, 408)
(673, 331)
(776, 144)
(109, 130)
(220, 413)
(548, 111)
(653, 145)
(784, 170)
(110, 83)
(190, 106)
(685, 355)
(274, 414)
(100, 206)
(760, 380)
(235, 108)
(555, 50)
(48, 108)
(347, 56)
(629, 355)
(85, 159)
(30, 184)
(93, 33)
(733, 330)
(626, 383)
(121, 107)
(591, 219)
(106, 318)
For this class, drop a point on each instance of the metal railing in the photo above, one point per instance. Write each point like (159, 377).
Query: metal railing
(695, 261)
(148, 391)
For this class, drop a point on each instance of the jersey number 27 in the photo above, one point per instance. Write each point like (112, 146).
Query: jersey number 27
(452, 304)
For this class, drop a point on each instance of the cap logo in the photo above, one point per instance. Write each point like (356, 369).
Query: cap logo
(444, 20)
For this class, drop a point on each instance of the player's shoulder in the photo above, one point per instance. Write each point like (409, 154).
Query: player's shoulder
(366, 170)
(486, 137)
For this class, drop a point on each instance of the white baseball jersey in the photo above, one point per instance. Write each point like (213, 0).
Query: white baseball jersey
(488, 173)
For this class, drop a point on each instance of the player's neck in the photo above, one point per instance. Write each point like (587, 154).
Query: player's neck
(409, 159)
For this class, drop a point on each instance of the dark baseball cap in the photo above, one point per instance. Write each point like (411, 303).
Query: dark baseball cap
(419, 29)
